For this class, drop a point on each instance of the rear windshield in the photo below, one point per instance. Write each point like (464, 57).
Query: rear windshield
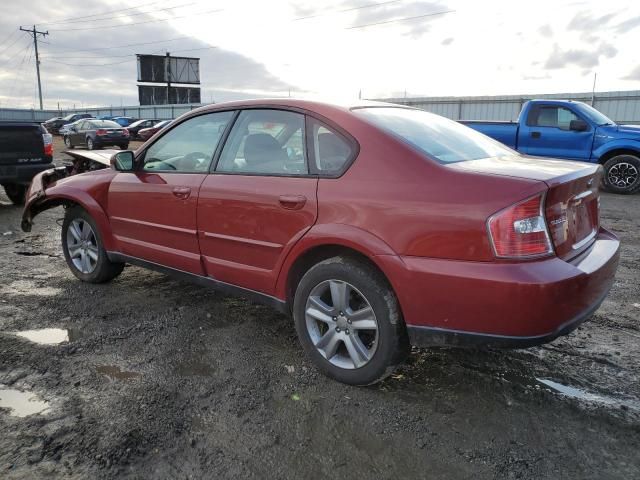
(104, 124)
(438, 137)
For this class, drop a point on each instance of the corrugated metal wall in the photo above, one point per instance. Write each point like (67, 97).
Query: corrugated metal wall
(622, 107)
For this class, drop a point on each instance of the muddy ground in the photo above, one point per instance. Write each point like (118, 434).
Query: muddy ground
(163, 379)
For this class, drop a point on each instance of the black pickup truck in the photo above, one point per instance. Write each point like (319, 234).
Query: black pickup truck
(26, 149)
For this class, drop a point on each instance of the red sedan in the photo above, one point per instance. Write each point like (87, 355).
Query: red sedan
(375, 226)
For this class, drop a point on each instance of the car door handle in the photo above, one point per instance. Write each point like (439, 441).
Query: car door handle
(181, 192)
(292, 202)
(535, 134)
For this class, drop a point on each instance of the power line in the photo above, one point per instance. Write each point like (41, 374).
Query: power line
(11, 45)
(127, 15)
(64, 20)
(115, 46)
(207, 12)
(346, 10)
(125, 61)
(399, 20)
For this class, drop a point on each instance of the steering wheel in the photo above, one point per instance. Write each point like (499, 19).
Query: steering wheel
(154, 163)
(191, 160)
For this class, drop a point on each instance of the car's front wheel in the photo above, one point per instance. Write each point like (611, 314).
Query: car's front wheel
(622, 174)
(67, 142)
(83, 248)
(349, 322)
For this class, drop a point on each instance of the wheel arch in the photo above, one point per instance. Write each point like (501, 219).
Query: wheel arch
(609, 154)
(68, 198)
(326, 242)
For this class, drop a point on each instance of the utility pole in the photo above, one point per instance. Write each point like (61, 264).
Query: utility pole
(33, 32)
(593, 90)
(168, 73)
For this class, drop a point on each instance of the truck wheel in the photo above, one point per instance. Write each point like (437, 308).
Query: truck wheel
(83, 248)
(622, 174)
(349, 322)
(15, 192)
(67, 142)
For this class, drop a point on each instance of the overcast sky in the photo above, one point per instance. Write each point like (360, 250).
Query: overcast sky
(254, 48)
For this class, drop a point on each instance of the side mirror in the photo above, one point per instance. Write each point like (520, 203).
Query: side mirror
(578, 125)
(123, 161)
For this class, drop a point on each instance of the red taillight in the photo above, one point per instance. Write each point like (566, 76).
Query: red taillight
(47, 138)
(125, 132)
(101, 131)
(521, 230)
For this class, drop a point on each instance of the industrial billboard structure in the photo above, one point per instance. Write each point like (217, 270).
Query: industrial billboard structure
(168, 70)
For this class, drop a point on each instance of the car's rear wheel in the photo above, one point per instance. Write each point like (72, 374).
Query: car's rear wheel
(15, 192)
(349, 322)
(622, 174)
(83, 248)
(90, 144)
(67, 142)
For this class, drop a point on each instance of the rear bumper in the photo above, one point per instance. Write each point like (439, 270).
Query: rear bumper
(22, 173)
(447, 302)
(104, 141)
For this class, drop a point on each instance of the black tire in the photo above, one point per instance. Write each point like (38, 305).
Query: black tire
(16, 192)
(90, 144)
(67, 142)
(124, 146)
(392, 345)
(622, 174)
(104, 270)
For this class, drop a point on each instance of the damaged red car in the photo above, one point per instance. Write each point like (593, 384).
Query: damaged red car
(375, 226)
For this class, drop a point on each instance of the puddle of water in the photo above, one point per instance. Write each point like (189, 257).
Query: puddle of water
(49, 336)
(114, 373)
(21, 404)
(579, 394)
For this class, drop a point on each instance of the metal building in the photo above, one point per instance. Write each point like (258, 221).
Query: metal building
(622, 107)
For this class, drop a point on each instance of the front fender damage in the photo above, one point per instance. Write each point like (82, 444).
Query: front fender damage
(37, 200)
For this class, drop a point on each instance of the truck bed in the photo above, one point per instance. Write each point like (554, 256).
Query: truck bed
(504, 132)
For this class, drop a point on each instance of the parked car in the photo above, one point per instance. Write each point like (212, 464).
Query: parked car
(55, 124)
(95, 134)
(575, 131)
(26, 149)
(123, 121)
(147, 133)
(374, 225)
(135, 127)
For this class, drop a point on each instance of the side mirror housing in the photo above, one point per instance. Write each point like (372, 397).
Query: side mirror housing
(578, 125)
(123, 161)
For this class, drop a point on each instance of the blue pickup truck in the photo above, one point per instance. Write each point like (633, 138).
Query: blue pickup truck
(575, 131)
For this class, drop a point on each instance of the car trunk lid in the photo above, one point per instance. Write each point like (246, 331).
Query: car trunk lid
(572, 199)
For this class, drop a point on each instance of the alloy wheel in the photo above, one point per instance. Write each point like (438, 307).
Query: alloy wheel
(341, 324)
(82, 246)
(622, 175)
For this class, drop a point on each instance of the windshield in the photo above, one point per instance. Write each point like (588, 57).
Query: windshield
(594, 115)
(438, 137)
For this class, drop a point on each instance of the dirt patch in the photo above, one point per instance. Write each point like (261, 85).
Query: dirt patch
(171, 380)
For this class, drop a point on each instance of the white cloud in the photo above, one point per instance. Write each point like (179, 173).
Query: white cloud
(264, 48)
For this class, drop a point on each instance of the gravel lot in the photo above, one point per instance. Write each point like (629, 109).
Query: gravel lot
(164, 379)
